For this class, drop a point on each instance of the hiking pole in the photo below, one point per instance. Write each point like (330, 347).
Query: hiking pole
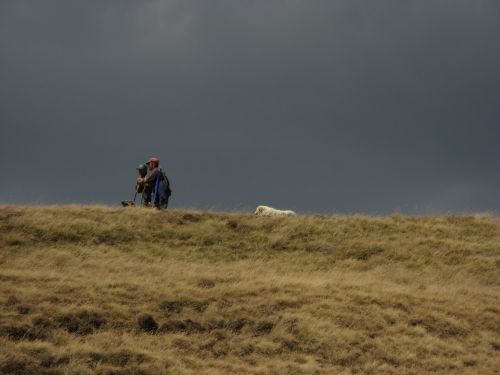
(155, 193)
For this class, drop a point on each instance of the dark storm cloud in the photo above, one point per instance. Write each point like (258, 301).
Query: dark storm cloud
(338, 106)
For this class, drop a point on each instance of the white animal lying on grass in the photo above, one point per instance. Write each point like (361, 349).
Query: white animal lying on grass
(269, 211)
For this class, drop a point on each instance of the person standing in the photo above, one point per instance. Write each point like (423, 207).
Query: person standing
(156, 185)
(142, 169)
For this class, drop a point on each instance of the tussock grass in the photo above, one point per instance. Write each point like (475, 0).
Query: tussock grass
(90, 289)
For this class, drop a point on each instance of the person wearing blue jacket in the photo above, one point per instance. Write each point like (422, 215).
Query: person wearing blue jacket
(156, 185)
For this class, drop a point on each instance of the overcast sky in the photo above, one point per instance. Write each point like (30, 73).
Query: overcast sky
(319, 106)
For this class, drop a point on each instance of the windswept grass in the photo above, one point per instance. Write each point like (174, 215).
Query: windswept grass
(87, 290)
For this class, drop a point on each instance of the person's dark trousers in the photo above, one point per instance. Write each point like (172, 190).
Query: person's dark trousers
(146, 196)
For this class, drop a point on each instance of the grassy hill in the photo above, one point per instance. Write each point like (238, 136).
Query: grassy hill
(87, 290)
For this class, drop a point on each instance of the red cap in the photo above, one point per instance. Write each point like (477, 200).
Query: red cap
(153, 160)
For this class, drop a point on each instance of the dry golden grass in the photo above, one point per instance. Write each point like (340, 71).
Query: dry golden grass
(87, 290)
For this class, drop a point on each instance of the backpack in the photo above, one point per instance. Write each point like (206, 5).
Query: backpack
(164, 177)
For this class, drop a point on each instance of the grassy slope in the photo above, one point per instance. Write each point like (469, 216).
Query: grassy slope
(241, 294)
